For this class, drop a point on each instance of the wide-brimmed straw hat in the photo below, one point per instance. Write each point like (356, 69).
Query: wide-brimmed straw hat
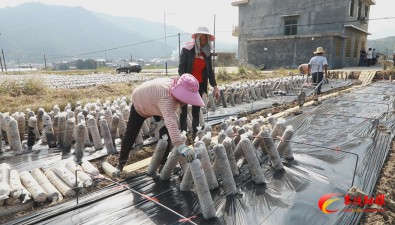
(319, 50)
(203, 30)
(186, 90)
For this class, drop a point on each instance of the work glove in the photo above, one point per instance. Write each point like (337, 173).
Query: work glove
(216, 93)
(188, 153)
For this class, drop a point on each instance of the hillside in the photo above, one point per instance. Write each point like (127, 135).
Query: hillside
(383, 45)
(59, 32)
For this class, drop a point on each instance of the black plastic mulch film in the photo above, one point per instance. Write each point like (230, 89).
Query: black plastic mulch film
(358, 122)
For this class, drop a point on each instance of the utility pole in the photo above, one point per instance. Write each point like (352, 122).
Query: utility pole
(214, 54)
(5, 66)
(164, 23)
(1, 64)
(131, 57)
(45, 62)
(179, 45)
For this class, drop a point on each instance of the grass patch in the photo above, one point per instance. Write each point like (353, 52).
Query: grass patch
(47, 99)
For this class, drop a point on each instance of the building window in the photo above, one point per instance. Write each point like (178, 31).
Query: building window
(338, 47)
(359, 9)
(348, 47)
(356, 45)
(352, 8)
(290, 27)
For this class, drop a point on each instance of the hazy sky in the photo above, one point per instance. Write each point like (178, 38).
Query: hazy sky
(188, 14)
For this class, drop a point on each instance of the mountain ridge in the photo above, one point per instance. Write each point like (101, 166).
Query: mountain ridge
(62, 33)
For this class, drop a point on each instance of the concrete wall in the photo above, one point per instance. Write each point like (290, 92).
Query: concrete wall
(260, 20)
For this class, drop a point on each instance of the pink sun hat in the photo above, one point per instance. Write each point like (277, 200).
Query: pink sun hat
(203, 30)
(186, 89)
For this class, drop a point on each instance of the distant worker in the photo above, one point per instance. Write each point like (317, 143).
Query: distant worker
(161, 97)
(304, 68)
(362, 58)
(318, 67)
(393, 58)
(374, 57)
(369, 56)
(195, 59)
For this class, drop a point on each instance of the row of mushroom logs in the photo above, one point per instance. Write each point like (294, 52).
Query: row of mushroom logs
(216, 162)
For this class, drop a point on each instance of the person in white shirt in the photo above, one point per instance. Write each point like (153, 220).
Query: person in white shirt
(369, 56)
(318, 67)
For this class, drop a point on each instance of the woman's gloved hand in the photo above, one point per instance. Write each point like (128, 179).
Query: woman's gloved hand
(188, 153)
(216, 93)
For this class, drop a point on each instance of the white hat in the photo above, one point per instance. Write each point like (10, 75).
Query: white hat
(319, 50)
(203, 30)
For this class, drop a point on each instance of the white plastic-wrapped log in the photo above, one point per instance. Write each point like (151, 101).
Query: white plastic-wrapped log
(258, 143)
(1, 142)
(139, 139)
(238, 151)
(48, 131)
(187, 180)
(122, 126)
(253, 163)
(110, 170)
(56, 110)
(92, 126)
(5, 188)
(68, 136)
(67, 176)
(272, 121)
(221, 136)
(278, 129)
(170, 164)
(256, 128)
(15, 184)
(201, 118)
(253, 93)
(207, 167)
(105, 131)
(231, 156)
(206, 139)
(82, 176)
(203, 192)
(81, 119)
(160, 150)
(61, 129)
(211, 101)
(53, 194)
(21, 125)
(126, 113)
(225, 169)
(284, 146)
(3, 127)
(80, 143)
(232, 98)
(257, 90)
(269, 148)
(37, 192)
(145, 128)
(114, 128)
(90, 169)
(77, 111)
(55, 127)
(237, 138)
(199, 134)
(108, 117)
(224, 125)
(230, 132)
(14, 139)
(159, 126)
(65, 189)
(40, 114)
